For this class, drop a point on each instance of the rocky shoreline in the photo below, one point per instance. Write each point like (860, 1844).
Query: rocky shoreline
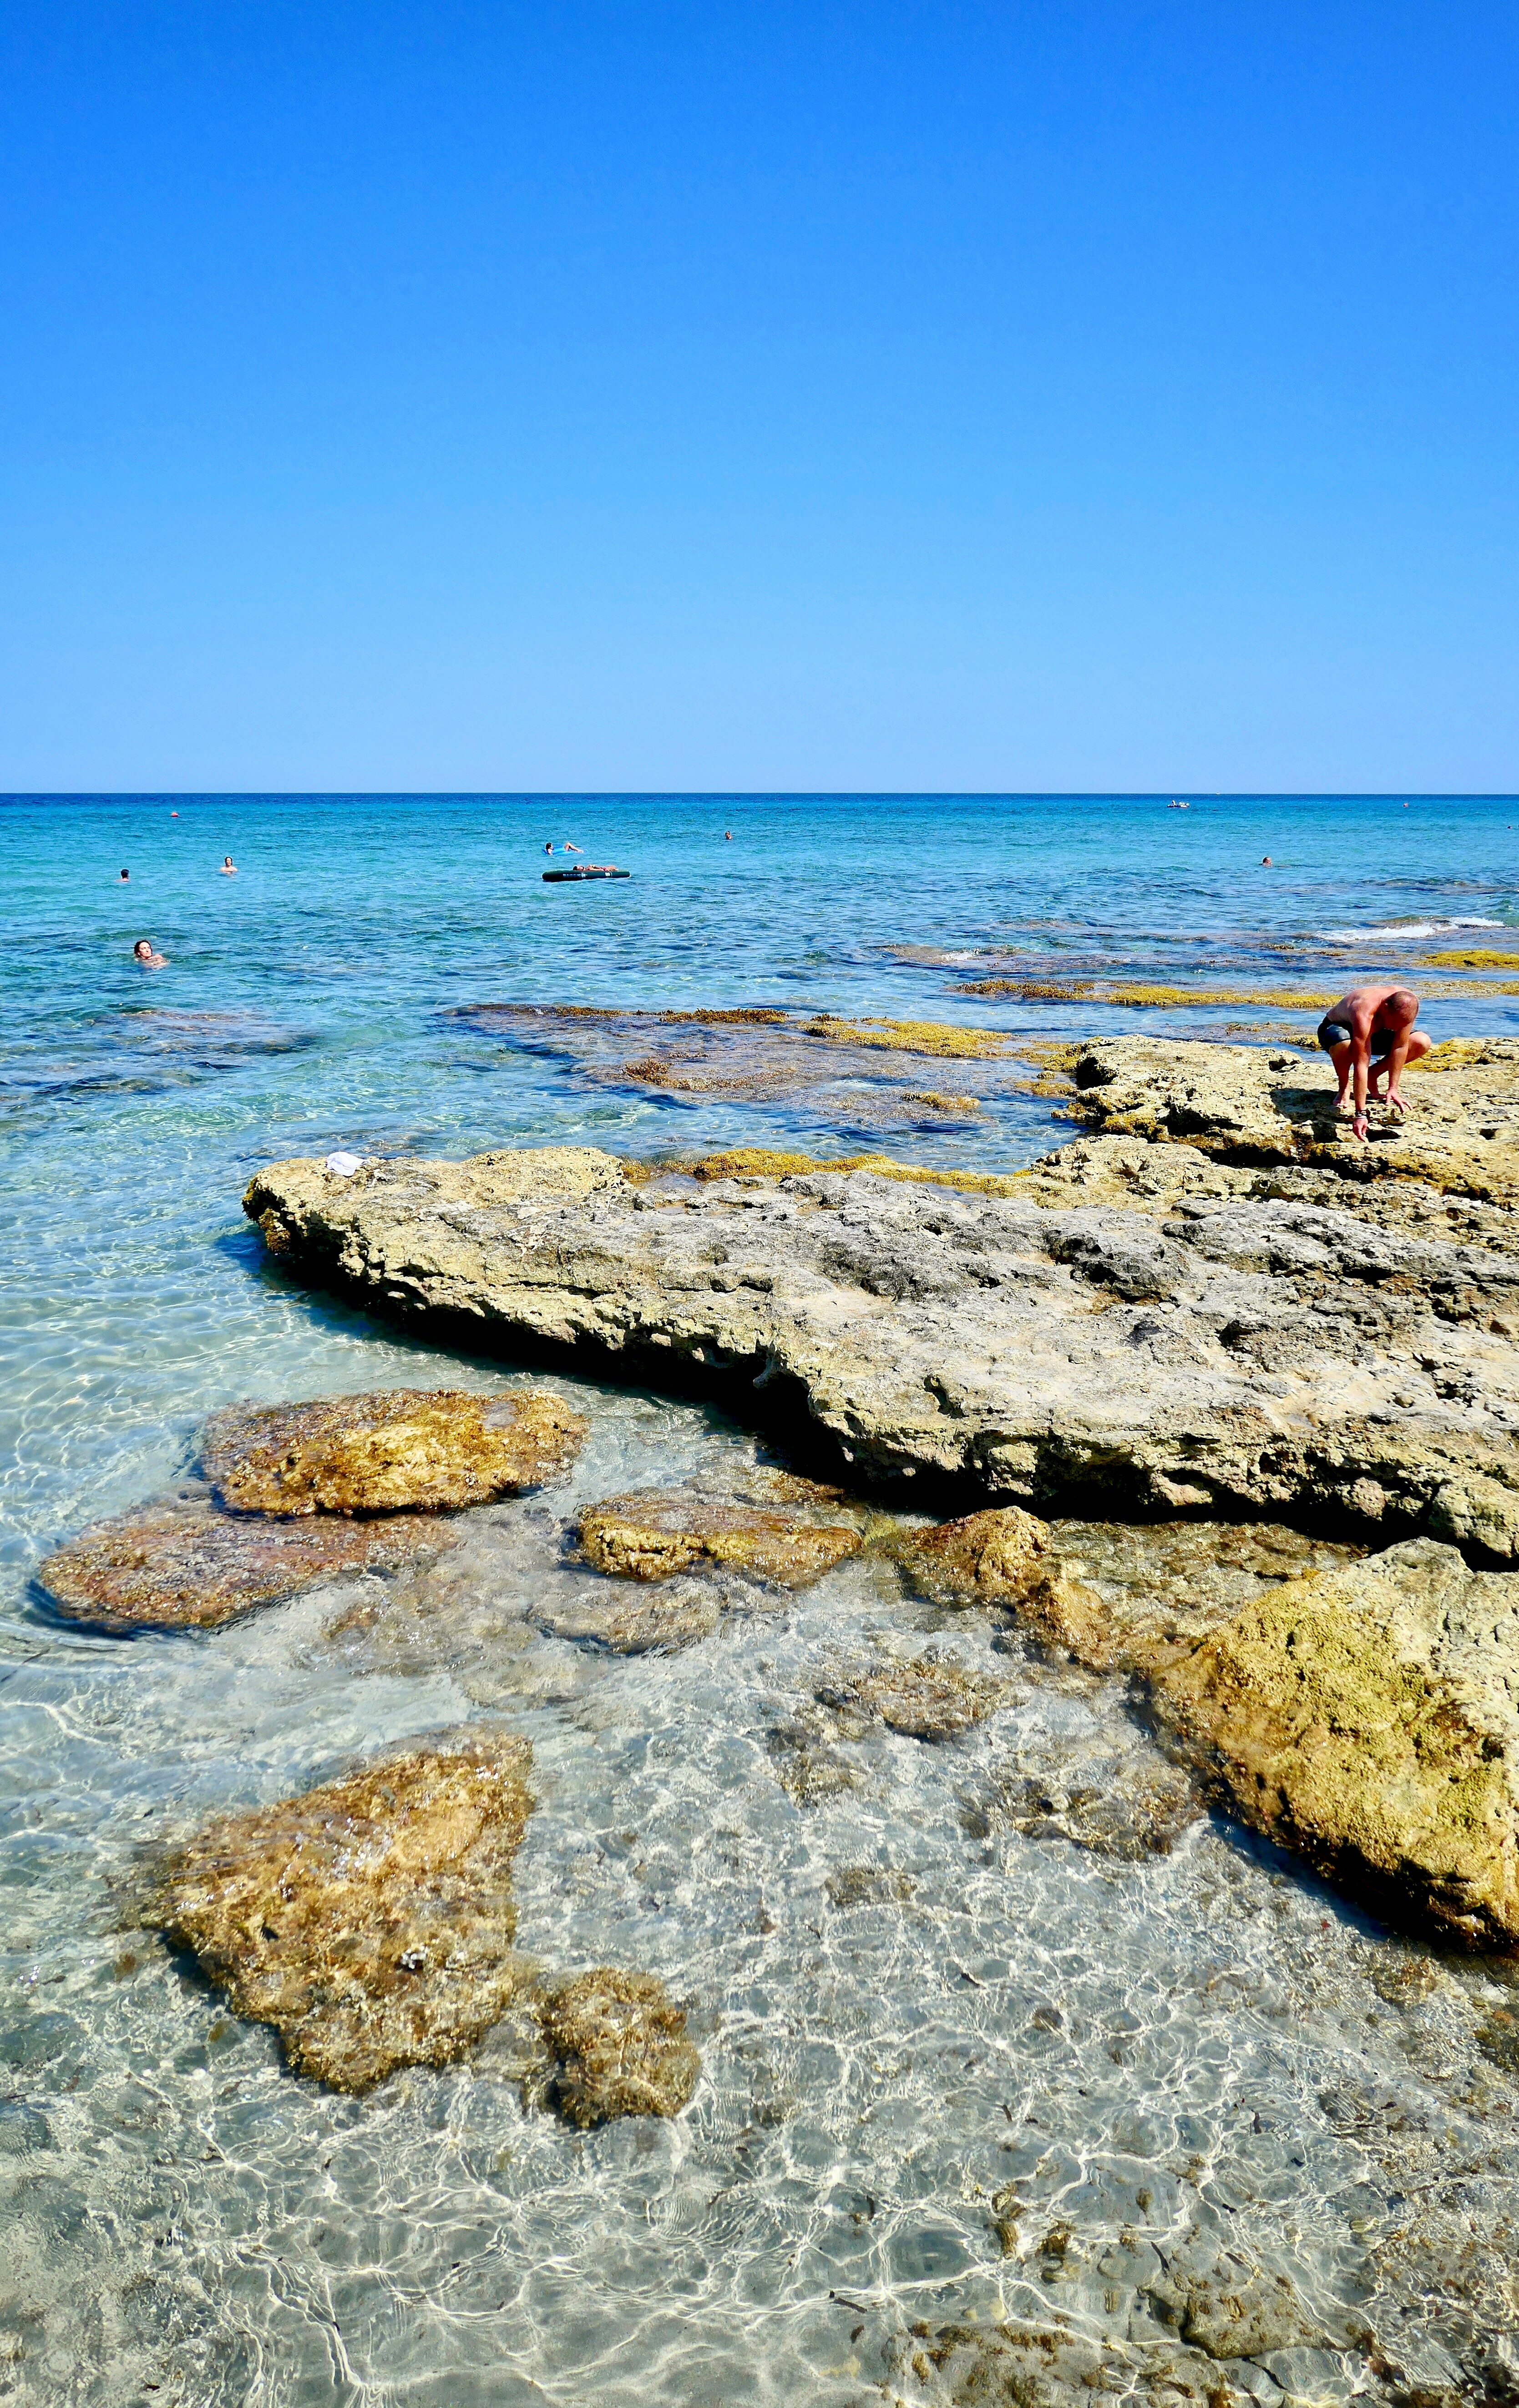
(1200, 1315)
(1133, 1369)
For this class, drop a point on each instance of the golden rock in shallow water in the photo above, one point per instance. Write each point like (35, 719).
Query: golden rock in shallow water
(176, 1564)
(621, 2048)
(650, 1535)
(1369, 1719)
(387, 1451)
(369, 1921)
(1005, 1556)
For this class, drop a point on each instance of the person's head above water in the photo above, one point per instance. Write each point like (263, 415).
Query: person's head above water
(142, 952)
(126, 873)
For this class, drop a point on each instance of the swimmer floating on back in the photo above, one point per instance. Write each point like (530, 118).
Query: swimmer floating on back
(143, 954)
(1372, 1025)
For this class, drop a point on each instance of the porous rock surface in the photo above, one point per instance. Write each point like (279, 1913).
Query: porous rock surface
(1242, 1356)
(1006, 1557)
(660, 1531)
(370, 1921)
(387, 1451)
(922, 1697)
(1369, 1719)
(177, 1563)
(1237, 1111)
(621, 2048)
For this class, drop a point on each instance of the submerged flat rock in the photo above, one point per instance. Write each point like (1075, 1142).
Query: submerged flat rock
(1369, 1719)
(177, 1563)
(621, 2046)
(1245, 1356)
(369, 1921)
(388, 1450)
(922, 1697)
(659, 1531)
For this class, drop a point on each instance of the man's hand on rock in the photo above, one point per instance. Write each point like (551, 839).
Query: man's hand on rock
(1359, 1127)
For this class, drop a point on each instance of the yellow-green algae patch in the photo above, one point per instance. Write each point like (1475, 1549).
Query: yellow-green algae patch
(930, 1037)
(370, 1922)
(762, 1162)
(1472, 957)
(1140, 995)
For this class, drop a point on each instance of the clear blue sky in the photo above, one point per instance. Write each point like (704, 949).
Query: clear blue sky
(946, 395)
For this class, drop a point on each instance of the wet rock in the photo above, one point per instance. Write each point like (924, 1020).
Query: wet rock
(620, 2046)
(1022, 2365)
(1127, 1804)
(388, 1450)
(1369, 1719)
(867, 1885)
(635, 1626)
(649, 1535)
(1225, 2303)
(179, 1563)
(1006, 1557)
(1250, 1357)
(925, 1697)
(808, 1768)
(370, 1920)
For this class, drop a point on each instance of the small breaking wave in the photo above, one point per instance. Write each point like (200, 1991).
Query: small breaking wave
(1398, 929)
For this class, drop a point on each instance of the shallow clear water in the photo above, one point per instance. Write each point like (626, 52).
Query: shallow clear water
(1199, 2046)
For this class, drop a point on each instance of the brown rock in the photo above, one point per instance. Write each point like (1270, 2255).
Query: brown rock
(924, 1697)
(1006, 1557)
(387, 1451)
(635, 1624)
(621, 2048)
(177, 1564)
(659, 1531)
(369, 1921)
(1369, 1719)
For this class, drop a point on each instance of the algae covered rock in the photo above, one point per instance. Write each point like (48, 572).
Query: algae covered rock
(924, 1696)
(388, 1450)
(1369, 1719)
(621, 2048)
(370, 1921)
(650, 1535)
(1006, 1557)
(177, 1563)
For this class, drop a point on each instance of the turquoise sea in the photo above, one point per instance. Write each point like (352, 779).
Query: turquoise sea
(184, 2220)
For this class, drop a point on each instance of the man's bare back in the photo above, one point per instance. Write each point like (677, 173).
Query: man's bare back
(1372, 1025)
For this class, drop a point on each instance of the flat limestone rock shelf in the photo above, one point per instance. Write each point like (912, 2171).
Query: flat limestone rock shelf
(1249, 1357)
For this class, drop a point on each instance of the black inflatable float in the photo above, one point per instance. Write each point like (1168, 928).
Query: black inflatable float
(563, 877)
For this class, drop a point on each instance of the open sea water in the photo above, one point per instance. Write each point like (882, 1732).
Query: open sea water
(908, 2008)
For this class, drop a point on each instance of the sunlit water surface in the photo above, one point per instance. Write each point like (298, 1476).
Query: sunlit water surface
(908, 2003)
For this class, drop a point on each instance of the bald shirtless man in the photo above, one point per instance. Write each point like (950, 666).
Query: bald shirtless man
(1372, 1025)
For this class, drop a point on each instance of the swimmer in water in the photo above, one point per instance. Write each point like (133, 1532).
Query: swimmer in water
(125, 874)
(547, 847)
(143, 954)
(229, 868)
